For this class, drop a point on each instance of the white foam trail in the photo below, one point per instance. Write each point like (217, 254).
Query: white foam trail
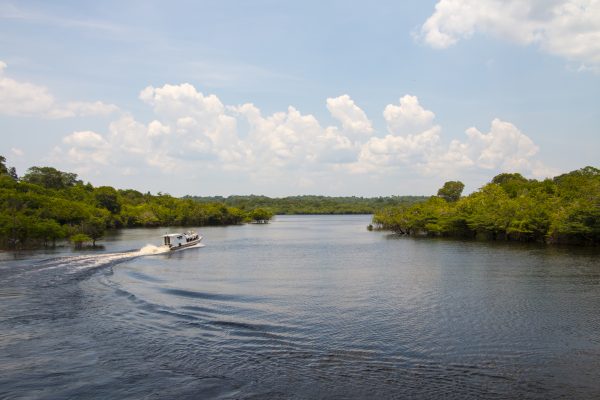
(98, 261)
(94, 261)
(151, 249)
(89, 261)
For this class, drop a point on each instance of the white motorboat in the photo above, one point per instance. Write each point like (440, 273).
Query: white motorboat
(178, 241)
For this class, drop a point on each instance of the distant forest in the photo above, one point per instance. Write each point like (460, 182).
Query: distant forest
(312, 204)
(565, 209)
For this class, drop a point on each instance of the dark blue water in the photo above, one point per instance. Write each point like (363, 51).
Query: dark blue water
(305, 307)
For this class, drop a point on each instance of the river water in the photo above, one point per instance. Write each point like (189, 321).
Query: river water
(304, 307)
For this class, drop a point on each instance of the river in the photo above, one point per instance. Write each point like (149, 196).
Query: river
(303, 307)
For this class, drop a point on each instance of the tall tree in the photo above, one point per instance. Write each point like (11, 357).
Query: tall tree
(12, 172)
(108, 198)
(50, 178)
(513, 184)
(3, 169)
(451, 191)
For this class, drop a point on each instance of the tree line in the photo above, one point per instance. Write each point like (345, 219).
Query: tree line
(565, 209)
(309, 204)
(47, 205)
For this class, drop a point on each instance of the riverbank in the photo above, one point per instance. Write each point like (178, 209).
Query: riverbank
(47, 206)
(562, 210)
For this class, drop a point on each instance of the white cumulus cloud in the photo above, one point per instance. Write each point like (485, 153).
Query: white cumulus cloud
(504, 146)
(292, 139)
(352, 117)
(196, 118)
(86, 148)
(412, 140)
(399, 151)
(566, 28)
(156, 128)
(181, 100)
(29, 100)
(407, 118)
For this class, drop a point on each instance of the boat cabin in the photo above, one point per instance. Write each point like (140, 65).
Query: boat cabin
(181, 239)
(174, 239)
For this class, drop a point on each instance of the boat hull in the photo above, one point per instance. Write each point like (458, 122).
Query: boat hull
(182, 246)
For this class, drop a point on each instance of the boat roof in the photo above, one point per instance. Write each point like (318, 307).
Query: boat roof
(179, 234)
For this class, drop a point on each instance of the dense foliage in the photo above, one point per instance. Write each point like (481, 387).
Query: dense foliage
(47, 205)
(313, 204)
(565, 209)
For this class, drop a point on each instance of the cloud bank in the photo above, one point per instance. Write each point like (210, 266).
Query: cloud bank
(197, 132)
(565, 28)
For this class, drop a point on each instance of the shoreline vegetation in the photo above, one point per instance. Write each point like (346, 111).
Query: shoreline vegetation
(561, 210)
(46, 207)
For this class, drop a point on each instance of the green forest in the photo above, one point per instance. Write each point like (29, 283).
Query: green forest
(299, 205)
(565, 209)
(47, 205)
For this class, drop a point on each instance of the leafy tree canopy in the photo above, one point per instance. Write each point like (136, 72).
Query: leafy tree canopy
(261, 215)
(3, 168)
(506, 177)
(565, 209)
(49, 205)
(310, 204)
(50, 178)
(108, 198)
(451, 191)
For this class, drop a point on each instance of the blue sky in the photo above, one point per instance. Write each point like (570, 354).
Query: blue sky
(328, 97)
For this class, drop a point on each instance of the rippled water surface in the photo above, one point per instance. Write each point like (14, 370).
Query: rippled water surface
(305, 307)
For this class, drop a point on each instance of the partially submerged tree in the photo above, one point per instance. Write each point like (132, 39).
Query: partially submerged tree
(79, 239)
(261, 215)
(94, 227)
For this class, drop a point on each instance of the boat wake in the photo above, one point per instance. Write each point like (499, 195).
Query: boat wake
(88, 262)
(150, 249)
(71, 266)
